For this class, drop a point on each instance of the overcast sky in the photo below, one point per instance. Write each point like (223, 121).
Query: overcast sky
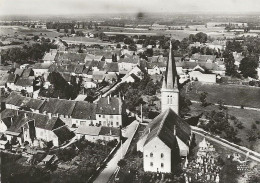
(64, 7)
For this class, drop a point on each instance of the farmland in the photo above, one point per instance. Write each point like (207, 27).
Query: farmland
(229, 94)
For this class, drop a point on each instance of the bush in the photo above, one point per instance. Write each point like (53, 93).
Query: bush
(121, 163)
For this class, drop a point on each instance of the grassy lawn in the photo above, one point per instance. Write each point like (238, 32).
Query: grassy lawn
(247, 117)
(229, 94)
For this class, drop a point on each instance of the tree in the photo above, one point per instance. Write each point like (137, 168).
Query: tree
(118, 45)
(58, 29)
(203, 99)
(121, 163)
(248, 66)
(72, 31)
(229, 63)
(184, 44)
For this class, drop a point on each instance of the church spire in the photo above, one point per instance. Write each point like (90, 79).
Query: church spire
(171, 73)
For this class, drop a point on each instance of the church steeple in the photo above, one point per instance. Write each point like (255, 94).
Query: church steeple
(170, 86)
(171, 78)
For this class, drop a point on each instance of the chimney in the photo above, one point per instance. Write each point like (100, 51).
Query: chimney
(149, 130)
(110, 132)
(11, 120)
(174, 130)
(17, 112)
(25, 115)
(49, 115)
(108, 99)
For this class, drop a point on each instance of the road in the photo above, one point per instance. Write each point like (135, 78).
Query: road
(128, 132)
(253, 155)
(230, 106)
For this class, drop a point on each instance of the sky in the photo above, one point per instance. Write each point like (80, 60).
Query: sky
(78, 7)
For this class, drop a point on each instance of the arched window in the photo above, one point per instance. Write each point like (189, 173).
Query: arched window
(162, 165)
(151, 155)
(162, 155)
(168, 99)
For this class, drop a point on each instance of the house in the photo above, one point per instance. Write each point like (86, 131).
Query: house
(89, 83)
(152, 69)
(27, 73)
(111, 77)
(98, 76)
(84, 114)
(126, 64)
(130, 78)
(202, 77)
(3, 79)
(5, 123)
(203, 58)
(10, 81)
(110, 111)
(49, 57)
(15, 101)
(94, 133)
(41, 68)
(33, 105)
(24, 84)
(112, 67)
(18, 72)
(31, 127)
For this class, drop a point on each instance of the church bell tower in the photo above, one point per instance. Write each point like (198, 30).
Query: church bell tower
(170, 86)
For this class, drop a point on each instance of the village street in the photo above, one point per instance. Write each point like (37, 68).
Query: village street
(129, 133)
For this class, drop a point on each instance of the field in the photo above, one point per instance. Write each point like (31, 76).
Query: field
(21, 30)
(229, 94)
(247, 117)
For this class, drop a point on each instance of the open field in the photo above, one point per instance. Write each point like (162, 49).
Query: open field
(21, 30)
(229, 94)
(247, 117)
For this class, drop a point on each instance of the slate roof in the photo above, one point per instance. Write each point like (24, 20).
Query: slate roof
(84, 110)
(111, 108)
(63, 133)
(163, 127)
(109, 131)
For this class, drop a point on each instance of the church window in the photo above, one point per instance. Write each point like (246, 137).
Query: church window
(162, 165)
(168, 99)
(151, 155)
(162, 155)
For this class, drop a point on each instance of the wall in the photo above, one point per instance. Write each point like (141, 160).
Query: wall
(109, 120)
(157, 147)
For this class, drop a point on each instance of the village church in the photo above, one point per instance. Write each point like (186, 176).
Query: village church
(166, 139)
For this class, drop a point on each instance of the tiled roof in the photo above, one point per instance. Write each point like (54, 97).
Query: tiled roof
(84, 110)
(27, 73)
(71, 56)
(4, 78)
(41, 121)
(112, 67)
(88, 130)
(24, 82)
(163, 127)
(128, 60)
(42, 66)
(50, 56)
(109, 105)
(18, 72)
(64, 107)
(16, 99)
(35, 104)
